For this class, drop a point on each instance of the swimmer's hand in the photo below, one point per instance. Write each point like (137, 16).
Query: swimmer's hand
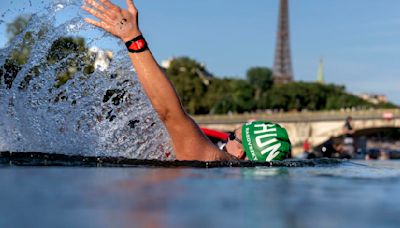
(119, 22)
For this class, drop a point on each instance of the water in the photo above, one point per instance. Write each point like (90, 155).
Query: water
(347, 195)
(63, 93)
(105, 113)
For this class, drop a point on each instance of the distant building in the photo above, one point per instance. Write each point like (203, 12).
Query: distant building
(204, 75)
(166, 63)
(374, 98)
(102, 58)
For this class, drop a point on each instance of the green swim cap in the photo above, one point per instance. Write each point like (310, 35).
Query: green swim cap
(265, 141)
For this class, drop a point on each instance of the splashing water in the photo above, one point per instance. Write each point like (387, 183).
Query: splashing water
(68, 97)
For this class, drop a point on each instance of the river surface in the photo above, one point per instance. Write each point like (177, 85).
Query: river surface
(353, 194)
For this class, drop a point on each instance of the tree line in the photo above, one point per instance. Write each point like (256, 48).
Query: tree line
(204, 94)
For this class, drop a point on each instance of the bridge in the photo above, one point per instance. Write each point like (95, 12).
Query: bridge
(317, 127)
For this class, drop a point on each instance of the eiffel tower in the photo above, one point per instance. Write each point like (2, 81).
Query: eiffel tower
(282, 71)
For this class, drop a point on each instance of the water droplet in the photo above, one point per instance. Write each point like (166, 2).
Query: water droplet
(58, 7)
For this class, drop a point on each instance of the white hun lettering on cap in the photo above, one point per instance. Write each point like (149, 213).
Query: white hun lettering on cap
(273, 151)
(271, 146)
(265, 128)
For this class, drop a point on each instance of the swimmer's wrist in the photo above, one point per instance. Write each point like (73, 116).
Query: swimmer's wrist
(131, 36)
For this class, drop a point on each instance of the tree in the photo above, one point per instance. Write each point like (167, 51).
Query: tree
(243, 96)
(186, 75)
(261, 79)
(61, 49)
(311, 96)
(9, 71)
(22, 52)
(18, 57)
(17, 26)
(218, 99)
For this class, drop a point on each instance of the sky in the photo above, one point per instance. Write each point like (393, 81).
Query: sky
(359, 40)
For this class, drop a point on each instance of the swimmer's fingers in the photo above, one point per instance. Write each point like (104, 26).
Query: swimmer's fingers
(98, 24)
(100, 8)
(97, 14)
(131, 7)
(111, 6)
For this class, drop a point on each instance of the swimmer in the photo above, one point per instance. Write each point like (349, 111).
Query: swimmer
(257, 140)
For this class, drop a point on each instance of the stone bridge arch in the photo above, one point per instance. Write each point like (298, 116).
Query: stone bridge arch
(318, 132)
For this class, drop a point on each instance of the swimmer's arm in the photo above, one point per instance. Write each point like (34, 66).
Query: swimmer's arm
(189, 141)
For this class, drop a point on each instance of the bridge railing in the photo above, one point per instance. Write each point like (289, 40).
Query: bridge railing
(305, 116)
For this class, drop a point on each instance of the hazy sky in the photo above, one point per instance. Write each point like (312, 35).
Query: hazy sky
(359, 40)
